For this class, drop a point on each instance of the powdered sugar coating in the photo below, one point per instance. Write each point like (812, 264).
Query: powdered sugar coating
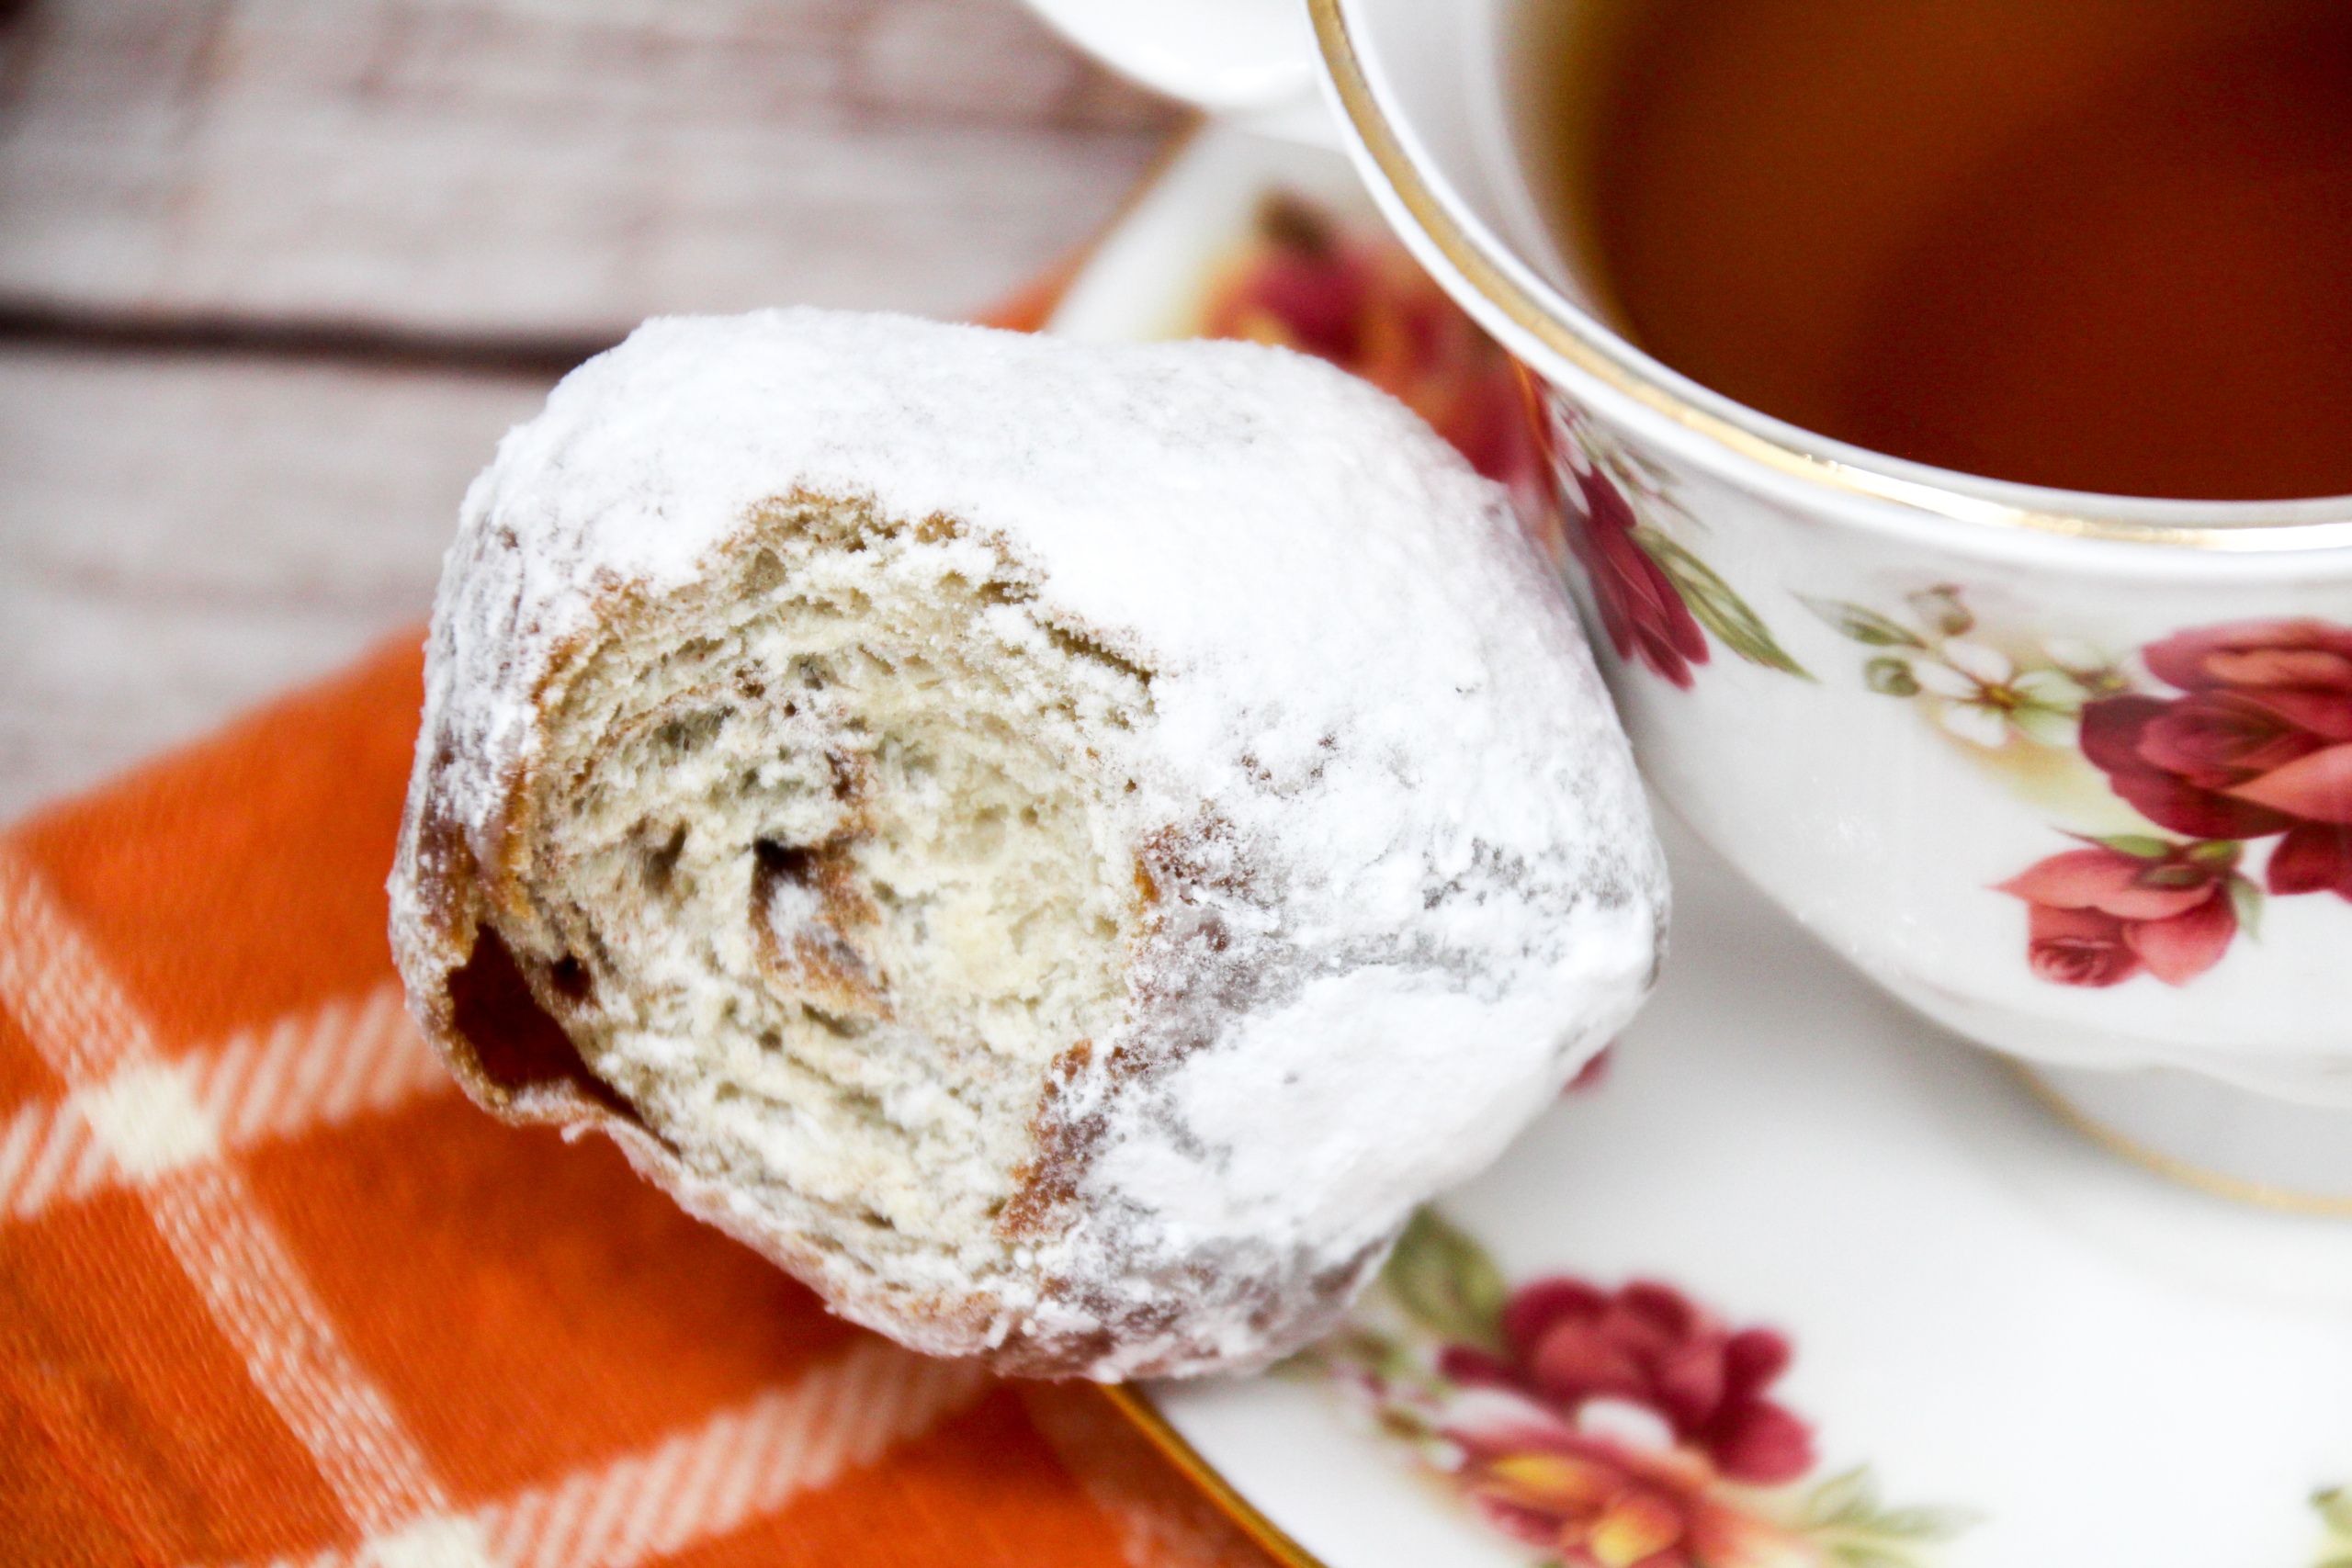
(1423, 887)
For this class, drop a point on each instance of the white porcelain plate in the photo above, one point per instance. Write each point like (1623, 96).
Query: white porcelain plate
(1800, 1280)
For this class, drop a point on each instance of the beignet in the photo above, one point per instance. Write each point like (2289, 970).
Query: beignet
(1058, 846)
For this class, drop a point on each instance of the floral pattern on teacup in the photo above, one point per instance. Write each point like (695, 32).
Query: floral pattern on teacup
(1984, 689)
(1658, 600)
(2097, 916)
(2239, 737)
(2257, 743)
(1605, 1428)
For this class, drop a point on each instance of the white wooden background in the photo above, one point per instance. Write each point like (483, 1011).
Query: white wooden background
(274, 275)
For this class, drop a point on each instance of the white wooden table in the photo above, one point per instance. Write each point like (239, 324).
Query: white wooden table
(274, 275)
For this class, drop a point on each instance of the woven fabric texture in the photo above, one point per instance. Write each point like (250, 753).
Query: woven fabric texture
(271, 1290)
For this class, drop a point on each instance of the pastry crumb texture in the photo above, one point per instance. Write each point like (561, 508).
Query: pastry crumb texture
(1059, 846)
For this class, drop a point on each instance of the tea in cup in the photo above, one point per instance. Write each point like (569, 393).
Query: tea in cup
(2099, 245)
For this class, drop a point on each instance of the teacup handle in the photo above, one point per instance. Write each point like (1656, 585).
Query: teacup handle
(1248, 62)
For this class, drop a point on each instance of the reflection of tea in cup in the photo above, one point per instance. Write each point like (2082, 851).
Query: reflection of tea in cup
(2097, 245)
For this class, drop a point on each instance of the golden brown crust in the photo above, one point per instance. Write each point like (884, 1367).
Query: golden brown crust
(1047, 1181)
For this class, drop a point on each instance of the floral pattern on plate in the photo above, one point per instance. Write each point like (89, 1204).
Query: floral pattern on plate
(1307, 281)
(2335, 1509)
(1623, 1428)
(2252, 742)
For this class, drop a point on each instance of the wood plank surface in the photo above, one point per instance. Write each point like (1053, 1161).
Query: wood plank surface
(275, 273)
(551, 165)
(181, 540)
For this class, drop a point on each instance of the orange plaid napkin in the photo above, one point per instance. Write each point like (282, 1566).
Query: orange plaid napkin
(271, 1290)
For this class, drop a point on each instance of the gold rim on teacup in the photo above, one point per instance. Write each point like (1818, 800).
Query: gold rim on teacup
(1597, 352)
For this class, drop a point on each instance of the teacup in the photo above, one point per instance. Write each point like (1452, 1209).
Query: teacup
(2062, 771)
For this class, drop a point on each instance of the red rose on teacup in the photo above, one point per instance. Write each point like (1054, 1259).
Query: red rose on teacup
(2261, 743)
(1571, 1343)
(1640, 607)
(2101, 915)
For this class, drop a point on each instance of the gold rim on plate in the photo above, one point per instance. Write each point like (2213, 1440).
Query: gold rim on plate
(1598, 353)
(1172, 1446)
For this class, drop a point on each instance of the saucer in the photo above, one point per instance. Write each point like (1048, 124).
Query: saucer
(1800, 1280)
